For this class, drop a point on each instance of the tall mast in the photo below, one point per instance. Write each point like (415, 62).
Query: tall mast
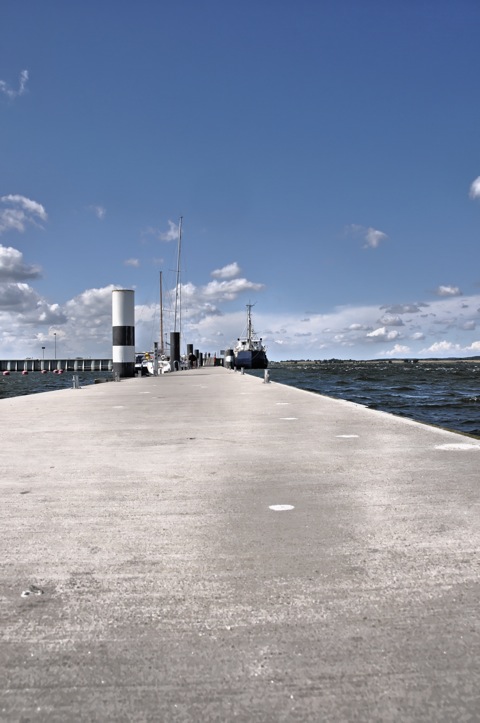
(249, 321)
(162, 350)
(177, 286)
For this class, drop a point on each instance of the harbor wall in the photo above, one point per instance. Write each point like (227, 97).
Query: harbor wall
(38, 365)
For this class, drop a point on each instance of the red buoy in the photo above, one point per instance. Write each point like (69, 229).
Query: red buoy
(6, 373)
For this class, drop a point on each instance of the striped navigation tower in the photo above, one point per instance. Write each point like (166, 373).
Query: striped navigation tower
(123, 332)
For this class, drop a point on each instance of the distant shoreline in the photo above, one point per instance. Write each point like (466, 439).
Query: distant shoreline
(432, 360)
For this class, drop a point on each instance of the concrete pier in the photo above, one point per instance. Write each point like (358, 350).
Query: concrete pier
(206, 547)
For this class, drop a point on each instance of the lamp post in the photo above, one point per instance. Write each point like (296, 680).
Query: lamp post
(43, 352)
(55, 341)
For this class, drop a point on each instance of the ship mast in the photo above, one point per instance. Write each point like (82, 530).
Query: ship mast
(249, 322)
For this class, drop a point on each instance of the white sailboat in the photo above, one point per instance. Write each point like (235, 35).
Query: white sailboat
(159, 362)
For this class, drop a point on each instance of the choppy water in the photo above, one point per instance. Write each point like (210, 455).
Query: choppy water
(446, 394)
(17, 385)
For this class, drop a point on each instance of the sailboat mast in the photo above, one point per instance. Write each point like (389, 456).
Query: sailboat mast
(177, 286)
(162, 350)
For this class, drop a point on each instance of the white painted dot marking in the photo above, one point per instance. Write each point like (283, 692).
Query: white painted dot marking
(281, 508)
(459, 445)
(119, 407)
(287, 419)
(283, 404)
(347, 436)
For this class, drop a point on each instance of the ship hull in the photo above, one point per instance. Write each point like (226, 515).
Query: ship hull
(251, 360)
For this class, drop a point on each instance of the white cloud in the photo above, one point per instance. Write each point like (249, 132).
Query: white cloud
(201, 301)
(372, 236)
(213, 315)
(441, 347)
(99, 211)
(172, 233)
(382, 334)
(26, 305)
(448, 291)
(12, 267)
(16, 212)
(132, 262)
(22, 86)
(227, 272)
(475, 188)
(397, 350)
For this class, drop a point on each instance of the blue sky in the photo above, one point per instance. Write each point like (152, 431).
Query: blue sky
(324, 156)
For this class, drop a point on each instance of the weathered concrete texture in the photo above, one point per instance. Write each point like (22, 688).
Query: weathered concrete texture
(164, 588)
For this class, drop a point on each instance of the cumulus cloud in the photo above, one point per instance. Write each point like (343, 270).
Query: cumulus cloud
(132, 262)
(22, 86)
(83, 324)
(372, 236)
(27, 306)
(217, 291)
(18, 297)
(475, 188)
(89, 322)
(396, 350)
(227, 272)
(12, 267)
(16, 212)
(172, 234)
(441, 347)
(389, 320)
(448, 291)
(382, 334)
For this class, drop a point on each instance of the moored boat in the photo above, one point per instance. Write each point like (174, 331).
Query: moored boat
(249, 351)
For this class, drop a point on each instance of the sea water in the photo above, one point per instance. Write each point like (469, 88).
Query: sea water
(446, 394)
(17, 384)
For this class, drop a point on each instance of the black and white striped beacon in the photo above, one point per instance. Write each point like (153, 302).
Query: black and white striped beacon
(123, 332)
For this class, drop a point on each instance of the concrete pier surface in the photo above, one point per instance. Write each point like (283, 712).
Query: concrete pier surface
(203, 546)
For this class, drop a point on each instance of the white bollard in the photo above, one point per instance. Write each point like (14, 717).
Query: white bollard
(266, 377)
